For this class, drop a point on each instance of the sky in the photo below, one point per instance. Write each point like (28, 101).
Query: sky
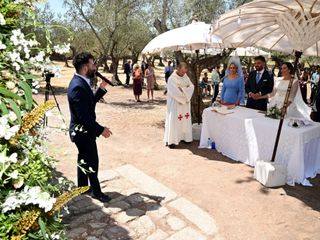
(56, 5)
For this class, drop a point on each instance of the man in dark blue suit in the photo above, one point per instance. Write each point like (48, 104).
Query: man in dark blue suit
(84, 128)
(260, 82)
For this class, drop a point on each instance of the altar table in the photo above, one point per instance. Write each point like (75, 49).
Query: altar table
(246, 135)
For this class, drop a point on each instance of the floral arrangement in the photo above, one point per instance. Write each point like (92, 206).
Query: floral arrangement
(31, 191)
(274, 112)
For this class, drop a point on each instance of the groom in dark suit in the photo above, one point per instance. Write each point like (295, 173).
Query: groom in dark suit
(84, 128)
(260, 82)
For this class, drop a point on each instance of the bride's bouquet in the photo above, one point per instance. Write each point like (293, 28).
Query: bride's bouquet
(274, 112)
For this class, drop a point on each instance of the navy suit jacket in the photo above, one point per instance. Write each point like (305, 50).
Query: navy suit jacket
(82, 104)
(264, 86)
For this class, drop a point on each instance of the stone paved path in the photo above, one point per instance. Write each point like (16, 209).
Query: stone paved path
(141, 208)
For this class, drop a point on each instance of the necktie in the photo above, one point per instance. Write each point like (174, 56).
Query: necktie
(258, 77)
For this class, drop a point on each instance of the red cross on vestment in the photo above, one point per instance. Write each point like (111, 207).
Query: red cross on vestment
(180, 117)
(187, 115)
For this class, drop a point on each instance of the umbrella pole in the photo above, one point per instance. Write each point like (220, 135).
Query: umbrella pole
(285, 106)
(199, 89)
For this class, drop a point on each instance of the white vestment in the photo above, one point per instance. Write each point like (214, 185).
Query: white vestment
(178, 124)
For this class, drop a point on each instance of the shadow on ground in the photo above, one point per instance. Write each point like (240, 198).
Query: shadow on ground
(91, 218)
(132, 104)
(308, 195)
(208, 154)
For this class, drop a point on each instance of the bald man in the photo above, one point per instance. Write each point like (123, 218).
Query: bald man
(178, 126)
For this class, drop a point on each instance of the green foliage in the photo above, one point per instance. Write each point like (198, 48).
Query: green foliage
(28, 180)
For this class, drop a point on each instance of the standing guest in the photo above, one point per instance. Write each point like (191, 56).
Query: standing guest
(215, 77)
(151, 79)
(127, 71)
(168, 70)
(233, 85)
(178, 126)
(260, 82)
(315, 77)
(304, 79)
(137, 77)
(245, 74)
(84, 128)
(316, 114)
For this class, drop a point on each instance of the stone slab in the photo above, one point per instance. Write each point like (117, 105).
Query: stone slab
(195, 215)
(148, 184)
(158, 235)
(187, 234)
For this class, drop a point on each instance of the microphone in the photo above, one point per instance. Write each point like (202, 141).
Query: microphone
(104, 79)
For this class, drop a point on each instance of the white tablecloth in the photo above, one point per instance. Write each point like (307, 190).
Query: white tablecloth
(247, 136)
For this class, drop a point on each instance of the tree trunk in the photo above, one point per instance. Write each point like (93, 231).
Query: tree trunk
(66, 64)
(160, 62)
(135, 58)
(124, 60)
(114, 69)
(106, 67)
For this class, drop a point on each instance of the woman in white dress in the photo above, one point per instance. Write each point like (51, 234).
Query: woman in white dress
(296, 106)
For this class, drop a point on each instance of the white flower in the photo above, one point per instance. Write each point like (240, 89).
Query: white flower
(2, 20)
(55, 236)
(10, 85)
(6, 131)
(13, 157)
(29, 196)
(2, 46)
(62, 49)
(91, 170)
(40, 57)
(17, 66)
(60, 180)
(18, 183)
(14, 174)
(17, 37)
(82, 162)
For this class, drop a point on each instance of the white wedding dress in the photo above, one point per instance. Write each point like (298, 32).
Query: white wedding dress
(297, 108)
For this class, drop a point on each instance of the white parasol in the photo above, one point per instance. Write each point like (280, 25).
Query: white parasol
(194, 36)
(250, 52)
(281, 25)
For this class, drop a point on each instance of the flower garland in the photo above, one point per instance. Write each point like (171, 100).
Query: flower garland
(29, 185)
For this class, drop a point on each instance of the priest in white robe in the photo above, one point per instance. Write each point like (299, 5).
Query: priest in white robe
(178, 126)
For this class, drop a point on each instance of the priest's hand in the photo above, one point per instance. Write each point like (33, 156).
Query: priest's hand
(106, 133)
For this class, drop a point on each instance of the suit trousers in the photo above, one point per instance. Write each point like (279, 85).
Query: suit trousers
(215, 92)
(127, 78)
(88, 152)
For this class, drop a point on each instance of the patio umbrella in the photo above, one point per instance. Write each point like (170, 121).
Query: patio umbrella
(194, 36)
(291, 26)
(250, 52)
(281, 25)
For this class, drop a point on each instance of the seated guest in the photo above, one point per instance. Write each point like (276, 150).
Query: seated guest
(205, 84)
(259, 83)
(233, 85)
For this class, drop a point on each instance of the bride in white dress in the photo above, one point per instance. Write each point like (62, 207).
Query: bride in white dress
(296, 106)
